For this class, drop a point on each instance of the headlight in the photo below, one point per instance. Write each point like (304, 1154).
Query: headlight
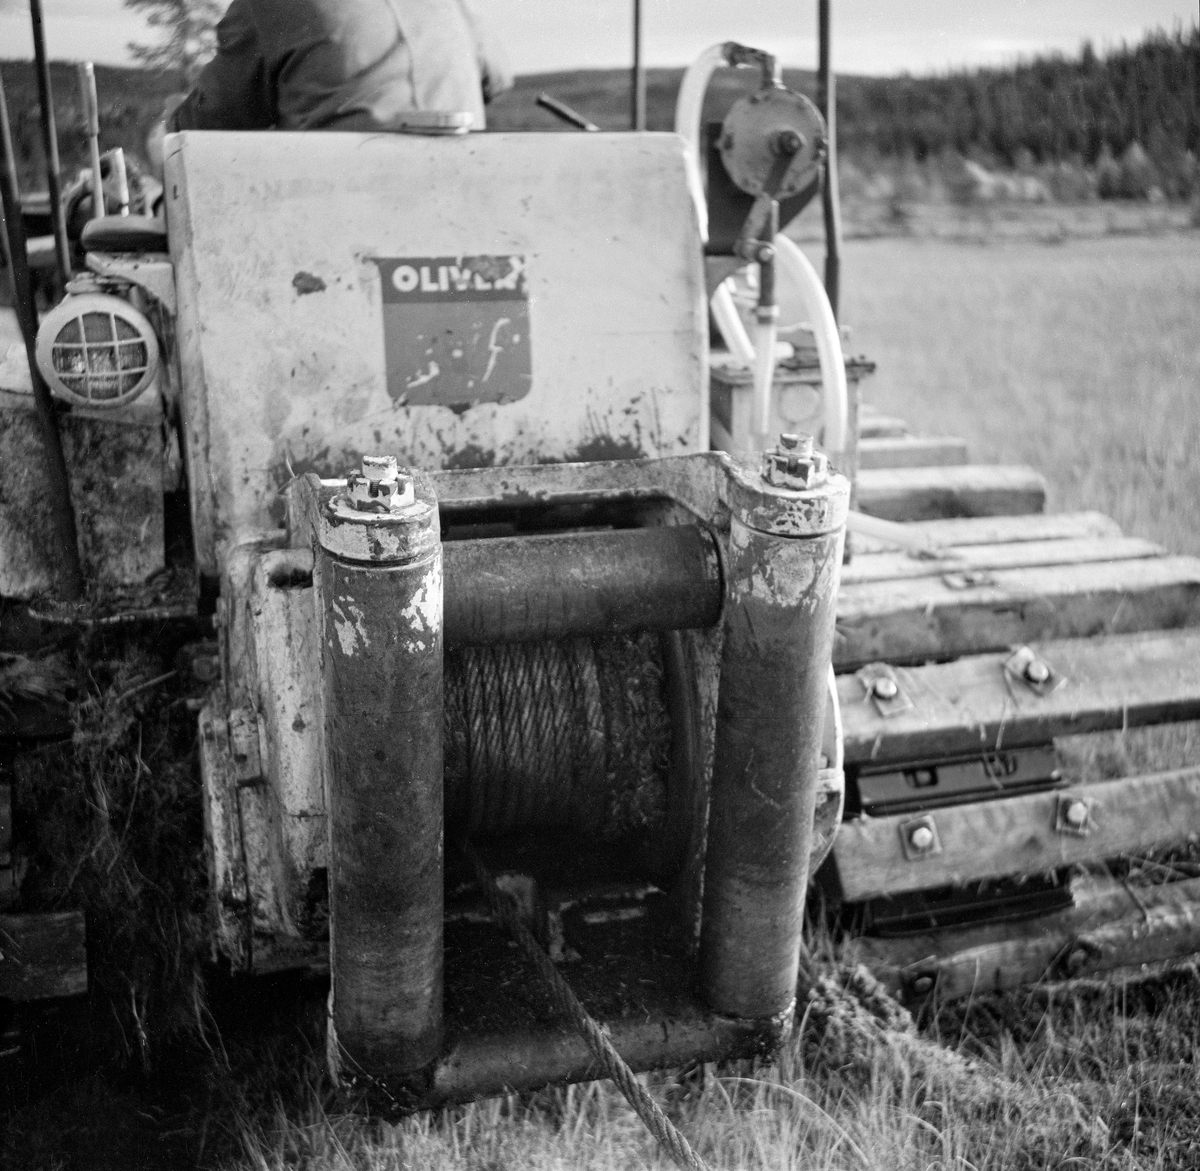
(97, 350)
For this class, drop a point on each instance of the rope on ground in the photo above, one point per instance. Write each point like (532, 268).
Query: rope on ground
(505, 911)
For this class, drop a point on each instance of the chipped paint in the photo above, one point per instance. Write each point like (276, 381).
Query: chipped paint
(350, 630)
(424, 612)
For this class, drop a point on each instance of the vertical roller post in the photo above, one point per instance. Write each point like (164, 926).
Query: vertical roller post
(785, 554)
(378, 580)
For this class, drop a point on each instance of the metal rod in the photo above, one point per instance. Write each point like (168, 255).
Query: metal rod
(781, 596)
(563, 111)
(513, 589)
(91, 117)
(62, 250)
(637, 106)
(827, 104)
(61, 513)
(120, 179)
(378, 585)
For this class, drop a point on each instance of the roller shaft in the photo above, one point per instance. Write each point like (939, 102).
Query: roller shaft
(514, 589)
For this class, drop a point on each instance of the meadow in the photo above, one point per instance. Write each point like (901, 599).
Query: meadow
(1080, 357)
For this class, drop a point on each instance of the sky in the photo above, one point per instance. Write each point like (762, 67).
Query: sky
(870, 36)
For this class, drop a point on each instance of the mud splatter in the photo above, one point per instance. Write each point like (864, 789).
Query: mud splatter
(306, 282)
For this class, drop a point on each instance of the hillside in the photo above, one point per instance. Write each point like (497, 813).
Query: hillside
(1086, 113)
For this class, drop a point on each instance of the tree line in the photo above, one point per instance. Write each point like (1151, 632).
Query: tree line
(1053, 107)
(1137, 107)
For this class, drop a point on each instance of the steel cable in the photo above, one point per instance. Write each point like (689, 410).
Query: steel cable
(505, 911)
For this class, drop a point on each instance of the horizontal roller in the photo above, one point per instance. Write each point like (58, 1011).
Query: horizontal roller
(971, 490)
(517, 589)
(1111, 925)
(872, 425)
(911, 451)
(940, 617)
(961, 531)
(1033, 833)
(976, 558)
(971, 705)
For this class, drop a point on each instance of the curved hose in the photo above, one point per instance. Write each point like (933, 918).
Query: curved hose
(688, 107)
(827, 337)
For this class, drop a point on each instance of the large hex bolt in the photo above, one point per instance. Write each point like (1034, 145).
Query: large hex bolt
(785, 554)
(378, 579)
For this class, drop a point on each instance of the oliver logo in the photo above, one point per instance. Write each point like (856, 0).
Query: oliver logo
(455, 330)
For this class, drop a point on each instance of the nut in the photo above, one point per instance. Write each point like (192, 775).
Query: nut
(921, 838)
(380, 487)
(922, 985)
(1037, 671)
(788, 142)
(1076, 814)
(885, 688)
(794, 464)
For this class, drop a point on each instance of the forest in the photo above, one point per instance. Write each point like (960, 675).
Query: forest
(1088, 111)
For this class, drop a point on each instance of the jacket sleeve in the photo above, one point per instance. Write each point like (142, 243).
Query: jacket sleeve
(233, 91)
(494, 71)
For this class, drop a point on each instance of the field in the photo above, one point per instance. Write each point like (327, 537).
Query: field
(1081, 358)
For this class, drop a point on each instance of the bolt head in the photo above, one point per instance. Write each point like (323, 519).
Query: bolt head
(1076, 814)
(789, 142)
(921, 838)
(380, 488)
(922, 985)
(800, 444)
(885, 688)
(379, 468)
(1036, 671)
(794, 464)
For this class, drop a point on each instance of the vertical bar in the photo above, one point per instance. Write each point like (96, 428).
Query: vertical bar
(91, 118)
(116, 162)
(637, 80)
(378, 581)
(785, 552)
(62, 250)
(61, 513)
(827, 104)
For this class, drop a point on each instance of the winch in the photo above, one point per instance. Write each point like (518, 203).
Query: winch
(481, 584)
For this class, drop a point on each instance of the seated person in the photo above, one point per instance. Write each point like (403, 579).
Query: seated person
(340, 65)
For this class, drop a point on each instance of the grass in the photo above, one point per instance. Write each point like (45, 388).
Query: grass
(1080, 358)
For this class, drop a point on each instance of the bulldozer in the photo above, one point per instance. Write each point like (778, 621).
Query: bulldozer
(517, 511)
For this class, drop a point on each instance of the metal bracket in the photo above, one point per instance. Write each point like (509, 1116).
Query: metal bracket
(920, 979)
(1030, 671)
(1074, 815)
(920, 838)
(244, 746)
(968, 579)
(883, 689)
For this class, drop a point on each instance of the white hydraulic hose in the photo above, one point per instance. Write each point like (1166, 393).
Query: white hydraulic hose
(829, 341)
(690, 103)
(688, 109)
(729, 322)
(765, 334)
